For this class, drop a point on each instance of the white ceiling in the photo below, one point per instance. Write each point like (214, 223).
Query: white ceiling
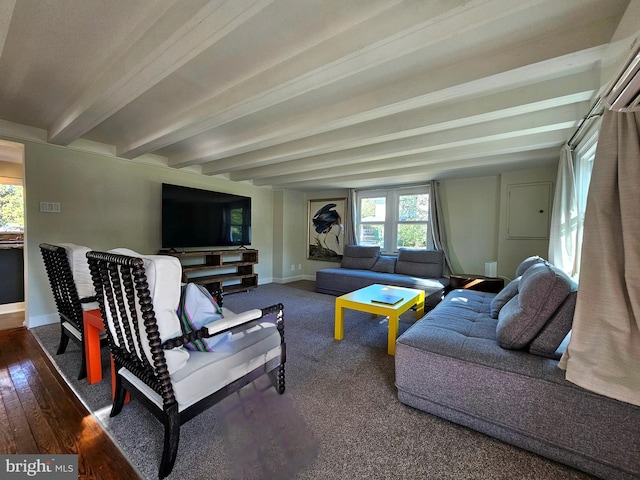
(308, 94)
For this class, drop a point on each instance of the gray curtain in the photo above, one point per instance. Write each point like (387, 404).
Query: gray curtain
(438, 231)
(350, 237)
(603, 354)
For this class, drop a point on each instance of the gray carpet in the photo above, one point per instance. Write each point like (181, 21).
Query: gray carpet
(339, 417)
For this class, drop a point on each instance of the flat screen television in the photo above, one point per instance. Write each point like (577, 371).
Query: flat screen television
(202, 218)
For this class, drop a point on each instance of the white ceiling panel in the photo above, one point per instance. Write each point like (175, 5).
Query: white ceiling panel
(311, 94)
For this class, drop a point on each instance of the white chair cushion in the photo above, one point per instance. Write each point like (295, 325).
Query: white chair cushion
(90, 306)
(164, 275)
(77, 255)
(207, 372)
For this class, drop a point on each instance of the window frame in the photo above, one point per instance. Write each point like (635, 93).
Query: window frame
(583, 157)
(392, 220)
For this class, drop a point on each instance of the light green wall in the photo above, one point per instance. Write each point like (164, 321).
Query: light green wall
(289, 236)
(108, 202)
(294, 237)
(471, 209)
(474, 211)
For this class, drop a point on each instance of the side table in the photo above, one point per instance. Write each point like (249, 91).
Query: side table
(93, 327)
(475, 282)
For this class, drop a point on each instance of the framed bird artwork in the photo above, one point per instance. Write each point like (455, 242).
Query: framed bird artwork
(326, 229)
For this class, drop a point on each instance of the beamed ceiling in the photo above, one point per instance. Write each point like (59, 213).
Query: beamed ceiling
(307, 94)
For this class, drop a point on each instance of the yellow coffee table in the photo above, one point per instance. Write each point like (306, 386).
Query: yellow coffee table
(362, 300)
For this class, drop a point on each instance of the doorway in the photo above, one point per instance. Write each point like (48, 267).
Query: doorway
(12, 231)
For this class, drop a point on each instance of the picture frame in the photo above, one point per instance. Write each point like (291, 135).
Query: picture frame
(325, 229)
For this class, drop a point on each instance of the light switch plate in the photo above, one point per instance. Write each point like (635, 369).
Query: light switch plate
(50, 207)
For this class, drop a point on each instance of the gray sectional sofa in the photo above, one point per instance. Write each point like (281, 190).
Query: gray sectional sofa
(362, 266)
(490, 362)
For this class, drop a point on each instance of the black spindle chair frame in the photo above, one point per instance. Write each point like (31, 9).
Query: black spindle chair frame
(118, 280)
(68, 302)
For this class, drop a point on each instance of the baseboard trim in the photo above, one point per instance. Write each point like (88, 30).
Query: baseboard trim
(11, 307)
(39, 320)
(297, 278)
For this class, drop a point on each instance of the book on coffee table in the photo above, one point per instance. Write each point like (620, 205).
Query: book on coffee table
(387, 299)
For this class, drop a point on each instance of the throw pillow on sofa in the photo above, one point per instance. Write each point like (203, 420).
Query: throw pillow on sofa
(554, 332)
(528, 262)
(503, 296)
(542, 289)
(360, 257)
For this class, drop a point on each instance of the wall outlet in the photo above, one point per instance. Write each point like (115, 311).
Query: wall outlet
(299, 266)
(293, 267)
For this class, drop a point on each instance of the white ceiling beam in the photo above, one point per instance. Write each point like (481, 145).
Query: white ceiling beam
(281, 142)
(419, 160)
(559, 118)
(572, 89)
(342, 56)
(152, 58)
(471, 168)
(479, 76)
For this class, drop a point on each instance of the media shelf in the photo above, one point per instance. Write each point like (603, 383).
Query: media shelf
(227, 270)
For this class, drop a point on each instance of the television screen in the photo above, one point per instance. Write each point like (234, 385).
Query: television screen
(202, 218)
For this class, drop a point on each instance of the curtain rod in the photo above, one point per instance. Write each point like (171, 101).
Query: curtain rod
(614, 84)
(594, 112)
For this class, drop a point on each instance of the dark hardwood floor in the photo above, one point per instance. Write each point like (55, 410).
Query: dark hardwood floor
(39, 413)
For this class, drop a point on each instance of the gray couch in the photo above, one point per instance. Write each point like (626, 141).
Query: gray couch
(490, 362)
(362, 266)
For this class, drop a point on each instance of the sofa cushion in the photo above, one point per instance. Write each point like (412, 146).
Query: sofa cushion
(361, 257)
(542, 289)
(526, 263)
(503, 296)
(551, 336)
(420, 263)
(385, 264)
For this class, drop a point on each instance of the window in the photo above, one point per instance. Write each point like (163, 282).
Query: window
(238, 224)
(394, 218)
(11, 208)
(584, 156)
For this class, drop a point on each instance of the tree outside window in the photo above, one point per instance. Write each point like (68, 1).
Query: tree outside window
(11, 208)
(394, 218)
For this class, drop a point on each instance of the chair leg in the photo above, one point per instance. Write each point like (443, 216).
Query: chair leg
(171, 440)
(277, 378)
(119, 396)
(83, 365)
(64, 341)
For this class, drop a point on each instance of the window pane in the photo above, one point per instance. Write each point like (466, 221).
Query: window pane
(236, 233)
(413, 208)
(371, 235)
(412, 235)
(11, 208)
(236, 216)
(372, 209)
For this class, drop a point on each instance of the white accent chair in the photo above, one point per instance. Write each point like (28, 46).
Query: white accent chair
(138, 297)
